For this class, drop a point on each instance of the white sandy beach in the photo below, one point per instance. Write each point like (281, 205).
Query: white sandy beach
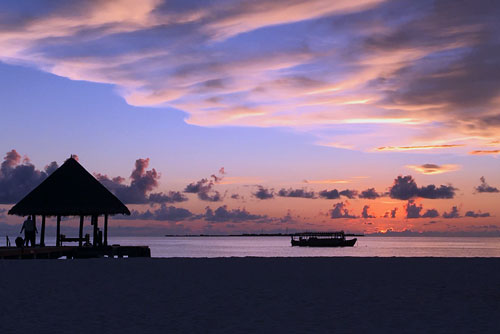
(251, 295)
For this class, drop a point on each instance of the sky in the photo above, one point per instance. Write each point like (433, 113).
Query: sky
(255, 116)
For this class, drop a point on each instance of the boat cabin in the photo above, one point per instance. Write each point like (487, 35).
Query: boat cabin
(322, 239)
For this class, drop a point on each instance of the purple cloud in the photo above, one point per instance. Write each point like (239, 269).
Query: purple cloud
(369, 194)
(298, 193)
(414, 211)
(340, 211)
(405, 188)
(223, 214)
(139, 191)
(485, 187)
(204, 188)
(164, 213)
(477, 214)
(329, 194)
(201, 57)
(18, 178)
(365, 213)
(452, 214)
(263, 193)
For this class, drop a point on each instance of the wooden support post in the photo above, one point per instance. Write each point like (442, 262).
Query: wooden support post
(42, 232)
(58, 233)
(105, 230)
(34, 223)
(80, 234)
(95, 230)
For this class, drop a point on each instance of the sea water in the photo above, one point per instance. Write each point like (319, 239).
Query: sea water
(280, 247)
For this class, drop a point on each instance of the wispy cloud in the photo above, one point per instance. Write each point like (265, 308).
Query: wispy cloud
(484, 152)
(330, 181)
(431, 169)
(386, 65)
(417, 147)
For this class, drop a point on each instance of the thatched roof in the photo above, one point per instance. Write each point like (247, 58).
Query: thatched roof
(69, 191)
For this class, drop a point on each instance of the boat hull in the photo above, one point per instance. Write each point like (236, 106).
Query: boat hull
(313, 242)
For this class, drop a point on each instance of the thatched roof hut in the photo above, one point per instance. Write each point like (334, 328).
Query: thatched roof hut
(70, 191)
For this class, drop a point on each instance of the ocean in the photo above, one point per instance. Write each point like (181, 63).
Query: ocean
(162, 247)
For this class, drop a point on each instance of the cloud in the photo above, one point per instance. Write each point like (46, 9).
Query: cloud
(174, 214)
(431, 169)
(417, 147)
(477, 214)
(365, 213)
(203, 188)
(431, 213)
(222, 214)
(163, 213)
(390, 214)
(413, 211)
(484, 152)
(329, 181)
(369, 194)
(170, 197)
(139, 191)
(452, 214)
(263, 193)
(334, 193)
(18, 178)
(143, 182)
(329, 194)
(288, 218)
(485, 187)
(349, 193)
(393, 212)
(340, 211)
(404, 188)
(389, 64)
(299, 193)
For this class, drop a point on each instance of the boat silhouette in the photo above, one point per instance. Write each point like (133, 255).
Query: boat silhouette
(322, 239)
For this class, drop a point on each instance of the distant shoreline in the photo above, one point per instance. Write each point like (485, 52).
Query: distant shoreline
(244, 235)
(381, 235)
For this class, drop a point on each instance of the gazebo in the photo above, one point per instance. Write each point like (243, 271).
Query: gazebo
(70, 191)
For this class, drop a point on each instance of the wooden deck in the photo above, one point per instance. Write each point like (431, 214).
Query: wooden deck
(73, 252)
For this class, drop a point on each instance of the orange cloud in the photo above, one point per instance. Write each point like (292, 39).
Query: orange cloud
(431, 169)
(326, 181)
(417, 147)
(482, 152)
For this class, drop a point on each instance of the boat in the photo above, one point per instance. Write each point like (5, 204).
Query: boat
(322, 239)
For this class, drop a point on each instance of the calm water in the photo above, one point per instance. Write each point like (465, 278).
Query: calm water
(280, 247)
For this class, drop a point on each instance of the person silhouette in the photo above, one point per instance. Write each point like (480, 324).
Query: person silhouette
(30, 231)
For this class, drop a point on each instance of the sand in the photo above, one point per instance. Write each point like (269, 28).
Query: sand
(251, 295)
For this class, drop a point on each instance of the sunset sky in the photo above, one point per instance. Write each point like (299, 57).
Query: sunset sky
(247, 116)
